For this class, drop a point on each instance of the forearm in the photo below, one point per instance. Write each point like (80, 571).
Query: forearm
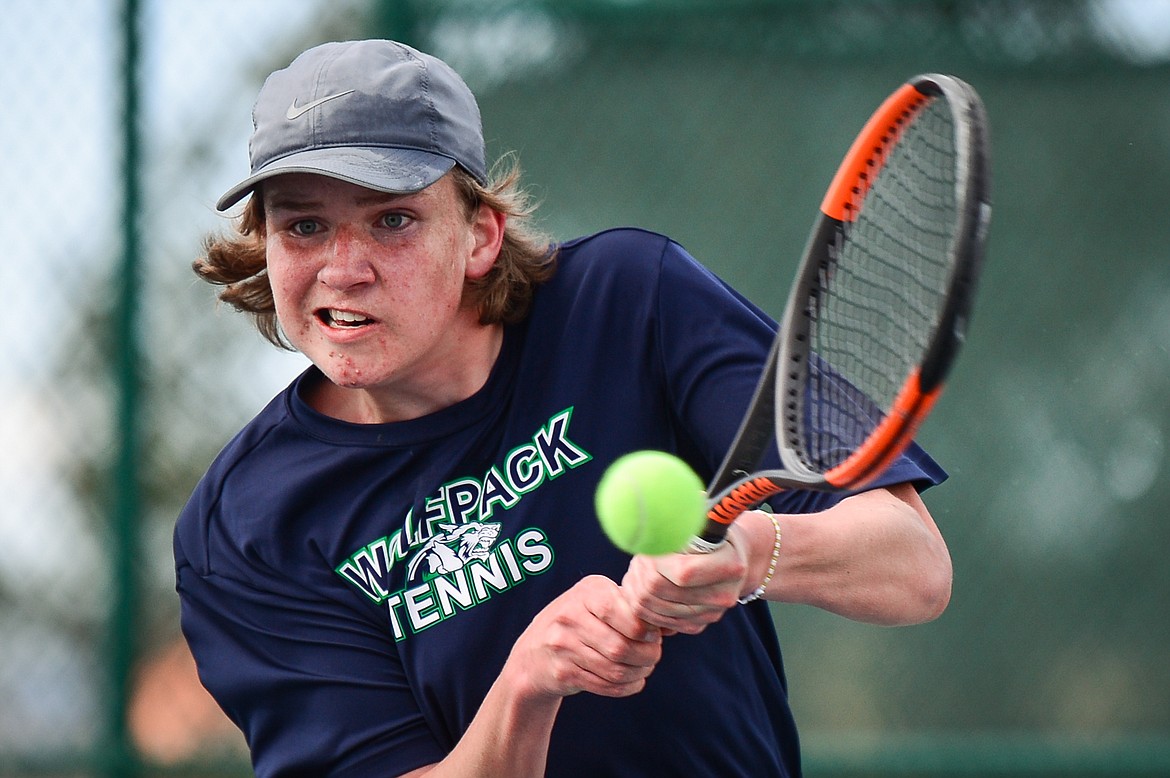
(587, 640)
(877, 557)
(508, 736)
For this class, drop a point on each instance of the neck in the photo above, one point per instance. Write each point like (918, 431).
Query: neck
(416, 395)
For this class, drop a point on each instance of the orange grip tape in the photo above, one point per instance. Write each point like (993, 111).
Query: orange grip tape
(741, 498)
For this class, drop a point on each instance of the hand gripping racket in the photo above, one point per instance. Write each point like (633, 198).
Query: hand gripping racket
(879, 307)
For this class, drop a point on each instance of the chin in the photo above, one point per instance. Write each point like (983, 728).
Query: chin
(347, 380)
(341, 371)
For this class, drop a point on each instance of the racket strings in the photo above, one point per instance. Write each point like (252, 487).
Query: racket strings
(882, 290)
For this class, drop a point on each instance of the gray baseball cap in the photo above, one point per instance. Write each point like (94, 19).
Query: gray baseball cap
(375, 113)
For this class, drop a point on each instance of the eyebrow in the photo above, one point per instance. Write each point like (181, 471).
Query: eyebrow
(293, 201)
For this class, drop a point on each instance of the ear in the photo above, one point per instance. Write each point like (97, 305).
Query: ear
(487, 229)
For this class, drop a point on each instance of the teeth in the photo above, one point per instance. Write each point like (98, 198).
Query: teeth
(347, 317)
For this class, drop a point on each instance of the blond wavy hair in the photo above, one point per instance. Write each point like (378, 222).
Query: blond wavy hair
(237, 260)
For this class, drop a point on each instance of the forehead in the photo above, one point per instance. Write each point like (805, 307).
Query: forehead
(292, 190)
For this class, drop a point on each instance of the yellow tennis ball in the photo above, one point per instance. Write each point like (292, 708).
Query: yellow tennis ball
(650, 502)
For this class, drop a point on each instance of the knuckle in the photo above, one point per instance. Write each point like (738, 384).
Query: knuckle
(725, 599)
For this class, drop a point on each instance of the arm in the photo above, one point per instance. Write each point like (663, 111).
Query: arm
(875, 557)
(587, 640)
(306, 700)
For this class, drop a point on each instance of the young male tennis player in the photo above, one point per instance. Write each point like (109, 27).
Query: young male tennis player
(395, 568)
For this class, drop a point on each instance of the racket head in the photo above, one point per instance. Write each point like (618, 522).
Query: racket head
(883, 295)
(879, 307)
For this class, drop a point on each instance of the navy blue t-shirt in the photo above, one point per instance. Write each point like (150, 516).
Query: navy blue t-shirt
(350, 592)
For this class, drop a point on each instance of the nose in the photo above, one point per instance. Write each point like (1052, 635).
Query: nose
(346, 262)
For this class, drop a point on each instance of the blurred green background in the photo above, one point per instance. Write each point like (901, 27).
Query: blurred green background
(719, 123)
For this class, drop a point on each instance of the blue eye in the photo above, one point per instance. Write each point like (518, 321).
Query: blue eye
(305, 227)
(394, 220)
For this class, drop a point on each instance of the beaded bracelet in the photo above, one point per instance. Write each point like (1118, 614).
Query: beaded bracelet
(759, 592)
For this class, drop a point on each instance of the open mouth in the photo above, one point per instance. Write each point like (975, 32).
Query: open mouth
(333, 317)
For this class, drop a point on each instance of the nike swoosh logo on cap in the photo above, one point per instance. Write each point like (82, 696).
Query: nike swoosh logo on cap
(296, 111)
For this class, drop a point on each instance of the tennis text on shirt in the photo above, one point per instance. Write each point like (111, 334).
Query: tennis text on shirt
(454, 556)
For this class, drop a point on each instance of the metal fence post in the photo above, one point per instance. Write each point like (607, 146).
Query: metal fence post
(121, 758)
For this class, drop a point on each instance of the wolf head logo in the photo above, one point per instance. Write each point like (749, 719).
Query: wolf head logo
(453, 547)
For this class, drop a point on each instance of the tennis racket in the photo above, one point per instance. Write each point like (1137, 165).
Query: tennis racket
(879, 307)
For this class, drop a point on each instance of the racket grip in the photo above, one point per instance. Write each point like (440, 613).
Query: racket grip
(728, 506)
(700, 545)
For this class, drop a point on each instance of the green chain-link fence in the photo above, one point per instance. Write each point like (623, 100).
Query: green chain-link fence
(718, 123)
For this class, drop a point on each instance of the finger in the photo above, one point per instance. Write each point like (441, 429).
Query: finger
(697, 571)
(657, 600)
(673, 619)
(582, 650)
(618, 673)
(607, 602)
(654, 581)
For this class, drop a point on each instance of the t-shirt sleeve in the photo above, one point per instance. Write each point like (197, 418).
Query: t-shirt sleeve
(714, 342)
(336, 698)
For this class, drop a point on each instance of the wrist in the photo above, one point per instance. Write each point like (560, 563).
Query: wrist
(773, 559)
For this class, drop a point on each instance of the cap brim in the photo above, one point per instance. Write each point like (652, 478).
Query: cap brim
(400, 171)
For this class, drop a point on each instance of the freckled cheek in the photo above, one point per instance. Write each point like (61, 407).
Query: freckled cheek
(281, 297)
(287, 294)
